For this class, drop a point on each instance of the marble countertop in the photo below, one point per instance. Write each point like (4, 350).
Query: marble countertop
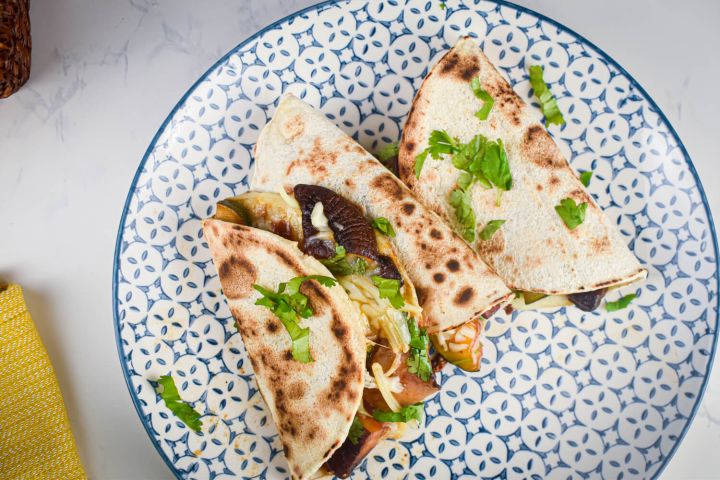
(105, 75)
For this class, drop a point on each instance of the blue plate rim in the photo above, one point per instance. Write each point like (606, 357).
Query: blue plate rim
(321, 5)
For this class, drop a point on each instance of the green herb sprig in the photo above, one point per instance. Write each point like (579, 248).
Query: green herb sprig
(340, 265)
(486, 98)
(407, 413)
(383, 225)
(418, 362)
(621, 303)
(287, 304)
(389, 288)
(572, 214)
(182, 410)
(490, 228)
(548, 103)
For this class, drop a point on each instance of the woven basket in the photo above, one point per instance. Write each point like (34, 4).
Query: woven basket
(15, 45)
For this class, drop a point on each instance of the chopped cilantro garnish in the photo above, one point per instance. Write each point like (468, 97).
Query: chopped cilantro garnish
(383, 225)
(287, 303)
(407, 413)
(443, 6)
(389, 288)
(439, 143)
(418, 361)
(620, 304)
(490, 228)
(481, 94)
(339, 265)
(356, 431)
(182, 410)
(572, 214)
(548, 103)
(388, 151)
(585, 178)
(460, 201)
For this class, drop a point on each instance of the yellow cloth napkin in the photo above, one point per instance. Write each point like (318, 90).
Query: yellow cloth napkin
(35, 438)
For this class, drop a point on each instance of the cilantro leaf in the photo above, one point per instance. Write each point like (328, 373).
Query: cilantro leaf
(389, 288)
(383, 225)
(460, 201)
(388, 151)
(440, 143)
(287, 304)
(495, 166)
(620, 304)
(548, 103)
(443, 6)
(490, 228)
(356, 431)
(293, 286)
(182, 410)
(418, 362)
(407, 413)
(339, 265)
(481, 94)
(585, 178)
(571, 214)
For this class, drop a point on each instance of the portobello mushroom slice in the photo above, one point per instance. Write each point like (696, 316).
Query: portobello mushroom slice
(344, 460)
(588, 301)
(347, 221)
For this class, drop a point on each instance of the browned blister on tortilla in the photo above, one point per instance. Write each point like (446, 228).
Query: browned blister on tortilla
(533, 250)
(312, 404)
(324, 155)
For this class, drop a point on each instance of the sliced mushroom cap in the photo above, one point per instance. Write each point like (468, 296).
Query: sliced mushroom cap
(588, 301)
(348, 224)
(345, 219)
(349, 455)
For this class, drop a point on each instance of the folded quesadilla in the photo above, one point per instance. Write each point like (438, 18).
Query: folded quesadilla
(477, 155)
(300, 146)
(351, 366)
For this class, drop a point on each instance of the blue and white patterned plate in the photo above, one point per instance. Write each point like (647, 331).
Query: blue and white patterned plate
(562, 394)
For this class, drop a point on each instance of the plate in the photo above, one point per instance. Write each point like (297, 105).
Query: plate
(561, 394)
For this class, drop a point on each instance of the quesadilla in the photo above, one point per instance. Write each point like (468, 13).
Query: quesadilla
(352, 353)
(300, 146)
(478, 156)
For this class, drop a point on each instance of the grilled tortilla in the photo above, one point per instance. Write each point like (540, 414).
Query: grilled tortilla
(533, 251)
(300, 146)
(312, 404)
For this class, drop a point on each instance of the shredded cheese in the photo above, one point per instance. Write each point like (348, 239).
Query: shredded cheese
(320, 222)
(288, 199)
(385, 387)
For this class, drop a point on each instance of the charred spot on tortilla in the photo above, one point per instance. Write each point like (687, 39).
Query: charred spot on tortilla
(349, 183)
(554, 180)
(436, 234)
(293, 127)
(453, 265)
(464, 296)
(386, 183)
(296, 390)
(460, 67)
(288, 355)
(540, 149)
(273, 326)
(238, 275)
(439, 277)
(599, 245)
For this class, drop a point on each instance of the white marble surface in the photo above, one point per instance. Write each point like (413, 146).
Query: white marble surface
(105, 75)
